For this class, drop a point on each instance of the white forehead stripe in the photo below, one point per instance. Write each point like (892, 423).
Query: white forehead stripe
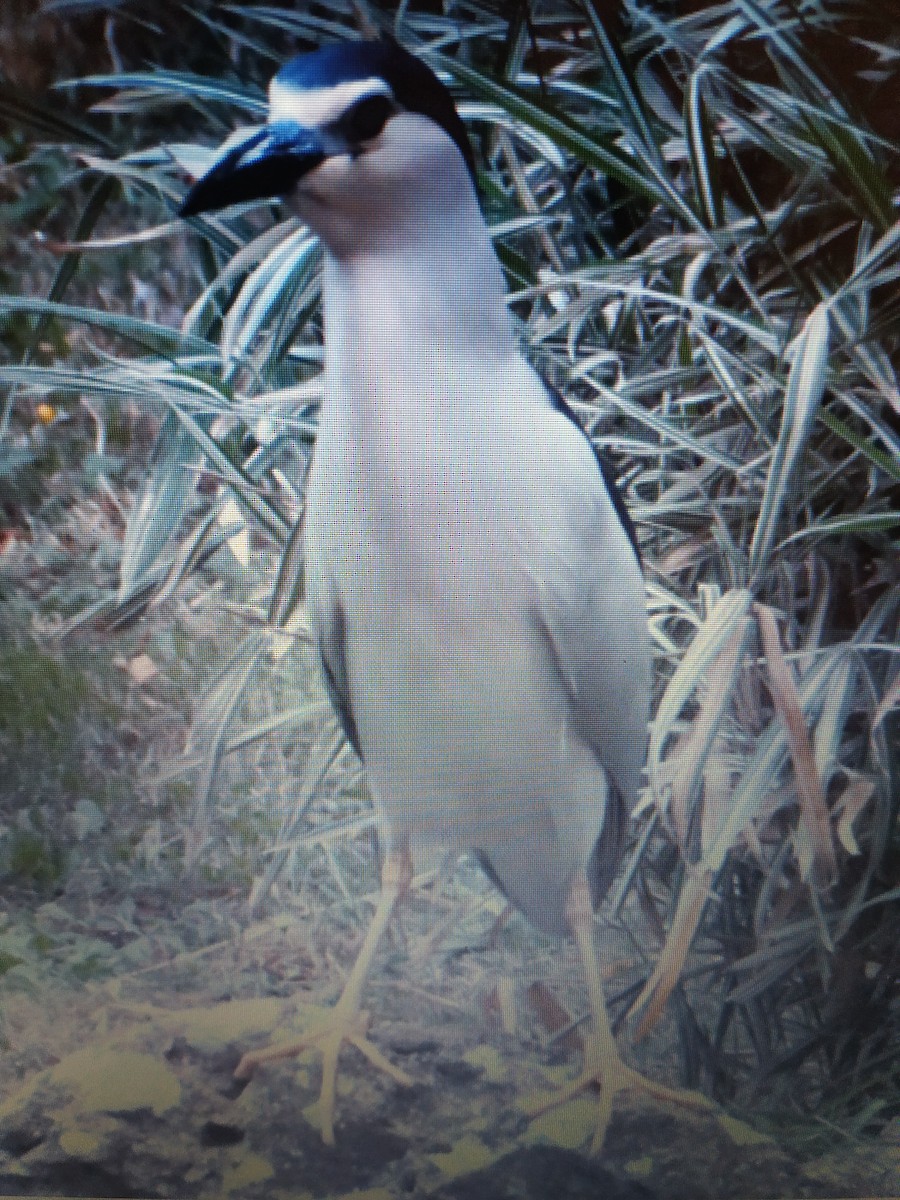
(318, 106)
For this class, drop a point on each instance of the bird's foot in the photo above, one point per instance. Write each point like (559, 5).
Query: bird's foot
(327, 1032)
(610, 1077)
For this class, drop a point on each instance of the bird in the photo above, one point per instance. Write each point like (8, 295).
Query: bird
(474, 583)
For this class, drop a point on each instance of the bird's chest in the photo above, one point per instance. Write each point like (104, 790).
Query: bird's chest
(408, 524)
(414, 554)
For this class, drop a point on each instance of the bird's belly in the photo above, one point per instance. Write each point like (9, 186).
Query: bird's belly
(464, 729)
(466, 725)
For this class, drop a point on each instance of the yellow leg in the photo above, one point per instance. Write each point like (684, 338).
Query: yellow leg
(347, 1021)
(603, 1065)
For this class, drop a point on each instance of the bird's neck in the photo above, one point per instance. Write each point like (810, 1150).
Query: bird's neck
(415, 324)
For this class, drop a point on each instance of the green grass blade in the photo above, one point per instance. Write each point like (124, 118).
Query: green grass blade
(147, 335)
(803, 393)
(595, 151)
(181, 85)
(634, 113)
(702, 152)
(713, 635)
(160, 506)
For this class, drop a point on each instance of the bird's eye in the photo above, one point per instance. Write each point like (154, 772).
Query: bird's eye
(365, 119)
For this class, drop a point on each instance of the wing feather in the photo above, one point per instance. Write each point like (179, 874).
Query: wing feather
(592, 608)
(332, 643)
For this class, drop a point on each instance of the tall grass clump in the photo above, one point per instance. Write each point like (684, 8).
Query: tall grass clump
(697, 213)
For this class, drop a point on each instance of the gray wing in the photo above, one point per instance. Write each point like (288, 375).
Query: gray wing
(334, 671)
(593, 611)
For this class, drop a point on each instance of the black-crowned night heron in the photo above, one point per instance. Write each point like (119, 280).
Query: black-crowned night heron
(472, 576)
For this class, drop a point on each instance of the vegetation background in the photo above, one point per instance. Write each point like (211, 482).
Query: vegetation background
(696, 206)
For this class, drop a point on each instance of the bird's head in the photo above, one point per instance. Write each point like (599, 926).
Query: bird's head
(362, 139)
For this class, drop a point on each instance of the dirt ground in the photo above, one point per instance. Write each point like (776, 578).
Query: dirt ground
(124, 1087)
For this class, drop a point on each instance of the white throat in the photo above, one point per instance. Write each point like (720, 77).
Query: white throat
(416, 311)
(412, 330)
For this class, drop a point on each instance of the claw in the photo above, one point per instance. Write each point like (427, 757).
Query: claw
(347, 1021)
(603, 1068)
(328, 1034)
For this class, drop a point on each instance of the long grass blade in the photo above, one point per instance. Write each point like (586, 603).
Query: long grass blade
(802, 396)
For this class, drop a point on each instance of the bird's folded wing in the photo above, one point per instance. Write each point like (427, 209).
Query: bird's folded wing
(334, 672)
(590, 604)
